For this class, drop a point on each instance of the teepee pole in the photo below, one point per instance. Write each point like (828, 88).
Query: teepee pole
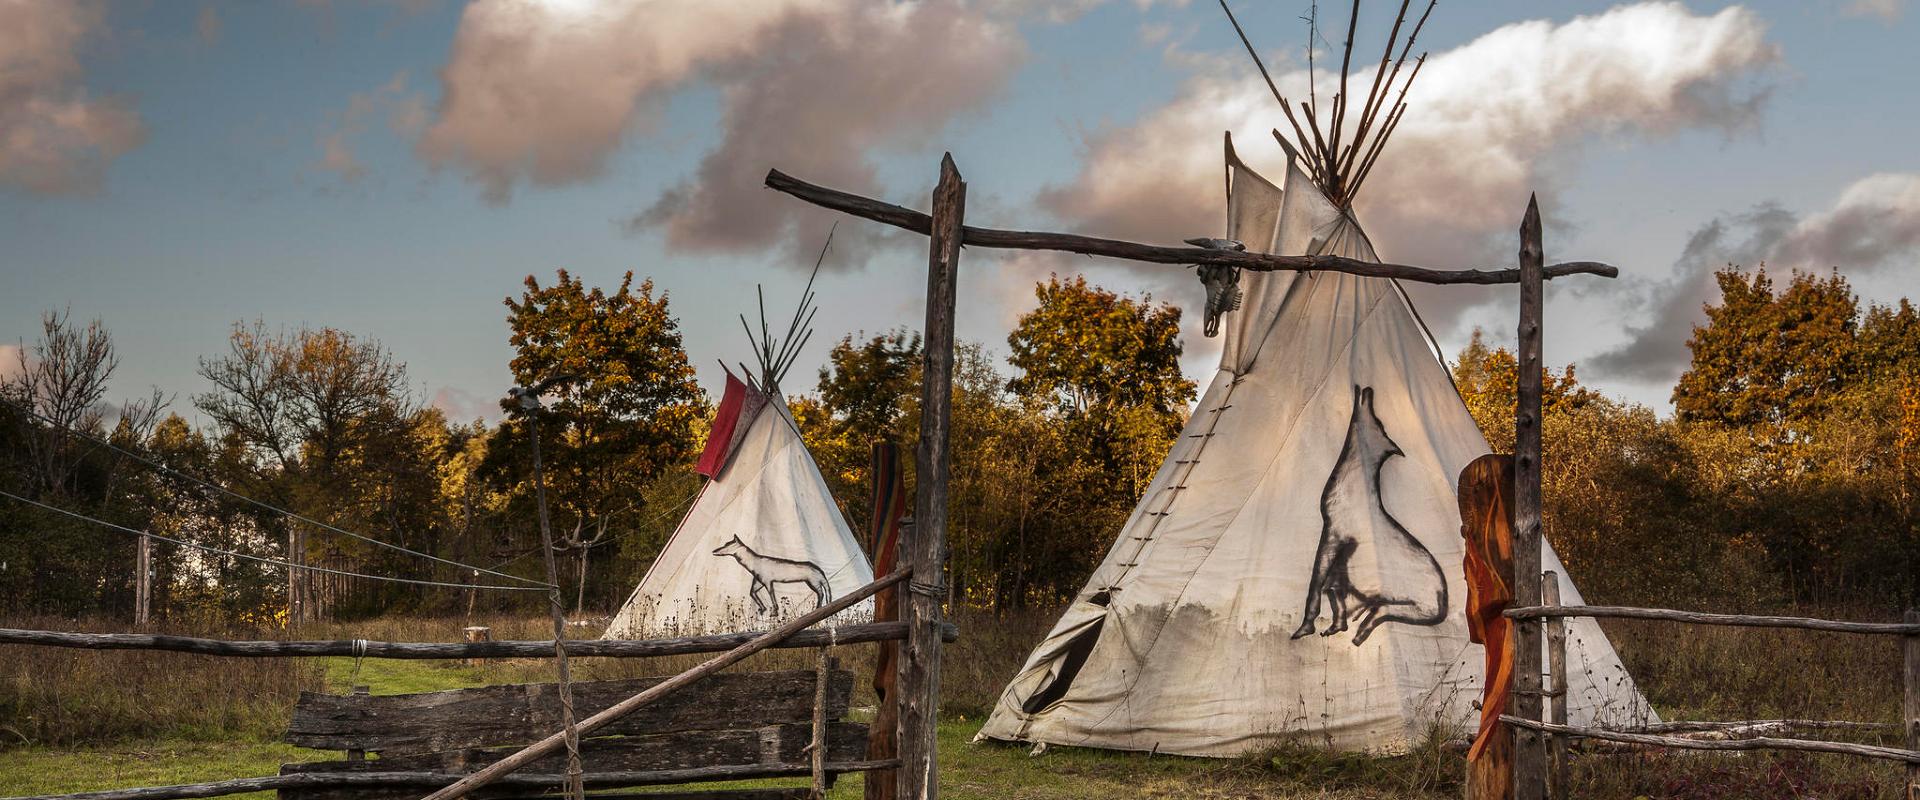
(1529, 746)
(926, 551)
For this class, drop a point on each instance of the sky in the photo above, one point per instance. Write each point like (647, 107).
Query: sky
(395, 168)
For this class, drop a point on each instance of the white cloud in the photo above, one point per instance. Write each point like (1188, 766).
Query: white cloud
(544, 94)
(405, 112)
(55, 138)
(1875, 221)
(1482, 119)
(1874, 224)
(208, 25)
(11, 364)
(1888, 10)
(461, 406)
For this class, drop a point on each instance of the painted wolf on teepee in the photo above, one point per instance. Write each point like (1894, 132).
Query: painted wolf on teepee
(763, 520)
(1190, 637)
(1356, 526)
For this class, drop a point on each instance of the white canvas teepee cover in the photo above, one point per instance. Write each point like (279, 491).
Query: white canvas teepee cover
(763, 535)
(1329, 420)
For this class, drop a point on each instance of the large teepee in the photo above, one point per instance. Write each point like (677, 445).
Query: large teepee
(763, 542)
(1295, 567)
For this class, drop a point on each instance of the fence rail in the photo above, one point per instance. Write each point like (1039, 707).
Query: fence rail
(362, 648)
(1909, 630)
(1701, 618)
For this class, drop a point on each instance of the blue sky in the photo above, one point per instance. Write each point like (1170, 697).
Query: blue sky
(1667, 124)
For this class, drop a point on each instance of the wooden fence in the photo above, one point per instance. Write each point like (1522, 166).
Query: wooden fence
(1556, 727)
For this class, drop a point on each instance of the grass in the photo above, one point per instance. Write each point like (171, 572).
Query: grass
(84, 720)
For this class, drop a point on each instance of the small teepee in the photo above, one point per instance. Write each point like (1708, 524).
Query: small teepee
(763, 542)
(1295, 567)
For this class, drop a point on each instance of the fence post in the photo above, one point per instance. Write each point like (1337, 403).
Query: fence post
(1529, 749)
(926, 552)
(354, 753)
(1557, 698)
(1913, 702)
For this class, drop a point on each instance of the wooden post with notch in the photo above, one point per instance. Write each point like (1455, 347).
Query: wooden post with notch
(1912, 712)
(1557, 699)
(1529, 746)
(926, 552)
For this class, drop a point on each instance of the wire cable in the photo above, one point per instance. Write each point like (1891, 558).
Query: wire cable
(256, 503)
(264, 559)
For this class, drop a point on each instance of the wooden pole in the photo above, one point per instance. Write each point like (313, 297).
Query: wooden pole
(542, 748)
(574, 789)
(1913, 703)
(926, 552)
(817, 749)
(1557, 701)
(1529, 749)
(143, 581)
(908, 219)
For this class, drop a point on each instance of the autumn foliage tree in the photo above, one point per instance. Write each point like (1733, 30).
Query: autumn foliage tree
(629, 413)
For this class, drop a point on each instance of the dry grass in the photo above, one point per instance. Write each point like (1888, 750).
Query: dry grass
(66, 699)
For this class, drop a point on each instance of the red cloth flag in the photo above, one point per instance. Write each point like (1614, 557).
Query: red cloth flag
(738, 407)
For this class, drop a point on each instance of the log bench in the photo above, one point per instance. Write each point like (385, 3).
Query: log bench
(728, 727)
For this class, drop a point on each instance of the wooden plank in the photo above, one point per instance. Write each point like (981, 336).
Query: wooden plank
(1913, 703)
(1755, 743)
(1700, 618)
(1557, 700)
(1529, 750)
(908, 219)
(515, 714)
(536, 648)
(926, 551)
(506, 766)
(779, 744)
(780, 793)
(429, 779)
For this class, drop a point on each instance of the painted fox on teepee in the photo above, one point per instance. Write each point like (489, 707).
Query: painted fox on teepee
(1356, 525)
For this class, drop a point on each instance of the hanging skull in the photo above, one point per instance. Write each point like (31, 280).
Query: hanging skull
(1222, 282)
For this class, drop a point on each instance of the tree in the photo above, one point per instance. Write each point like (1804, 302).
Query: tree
(1085, 347)
(1488, 381)
(868, 384)
(1766, 358)
(1109, 367)
(1889, 342)
(327, 428)
(629, 414)
(862, 397)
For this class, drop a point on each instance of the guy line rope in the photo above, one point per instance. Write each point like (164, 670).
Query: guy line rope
(263, 559)
(257, 503)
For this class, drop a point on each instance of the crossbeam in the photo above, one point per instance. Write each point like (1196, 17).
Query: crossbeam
(908, 219)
